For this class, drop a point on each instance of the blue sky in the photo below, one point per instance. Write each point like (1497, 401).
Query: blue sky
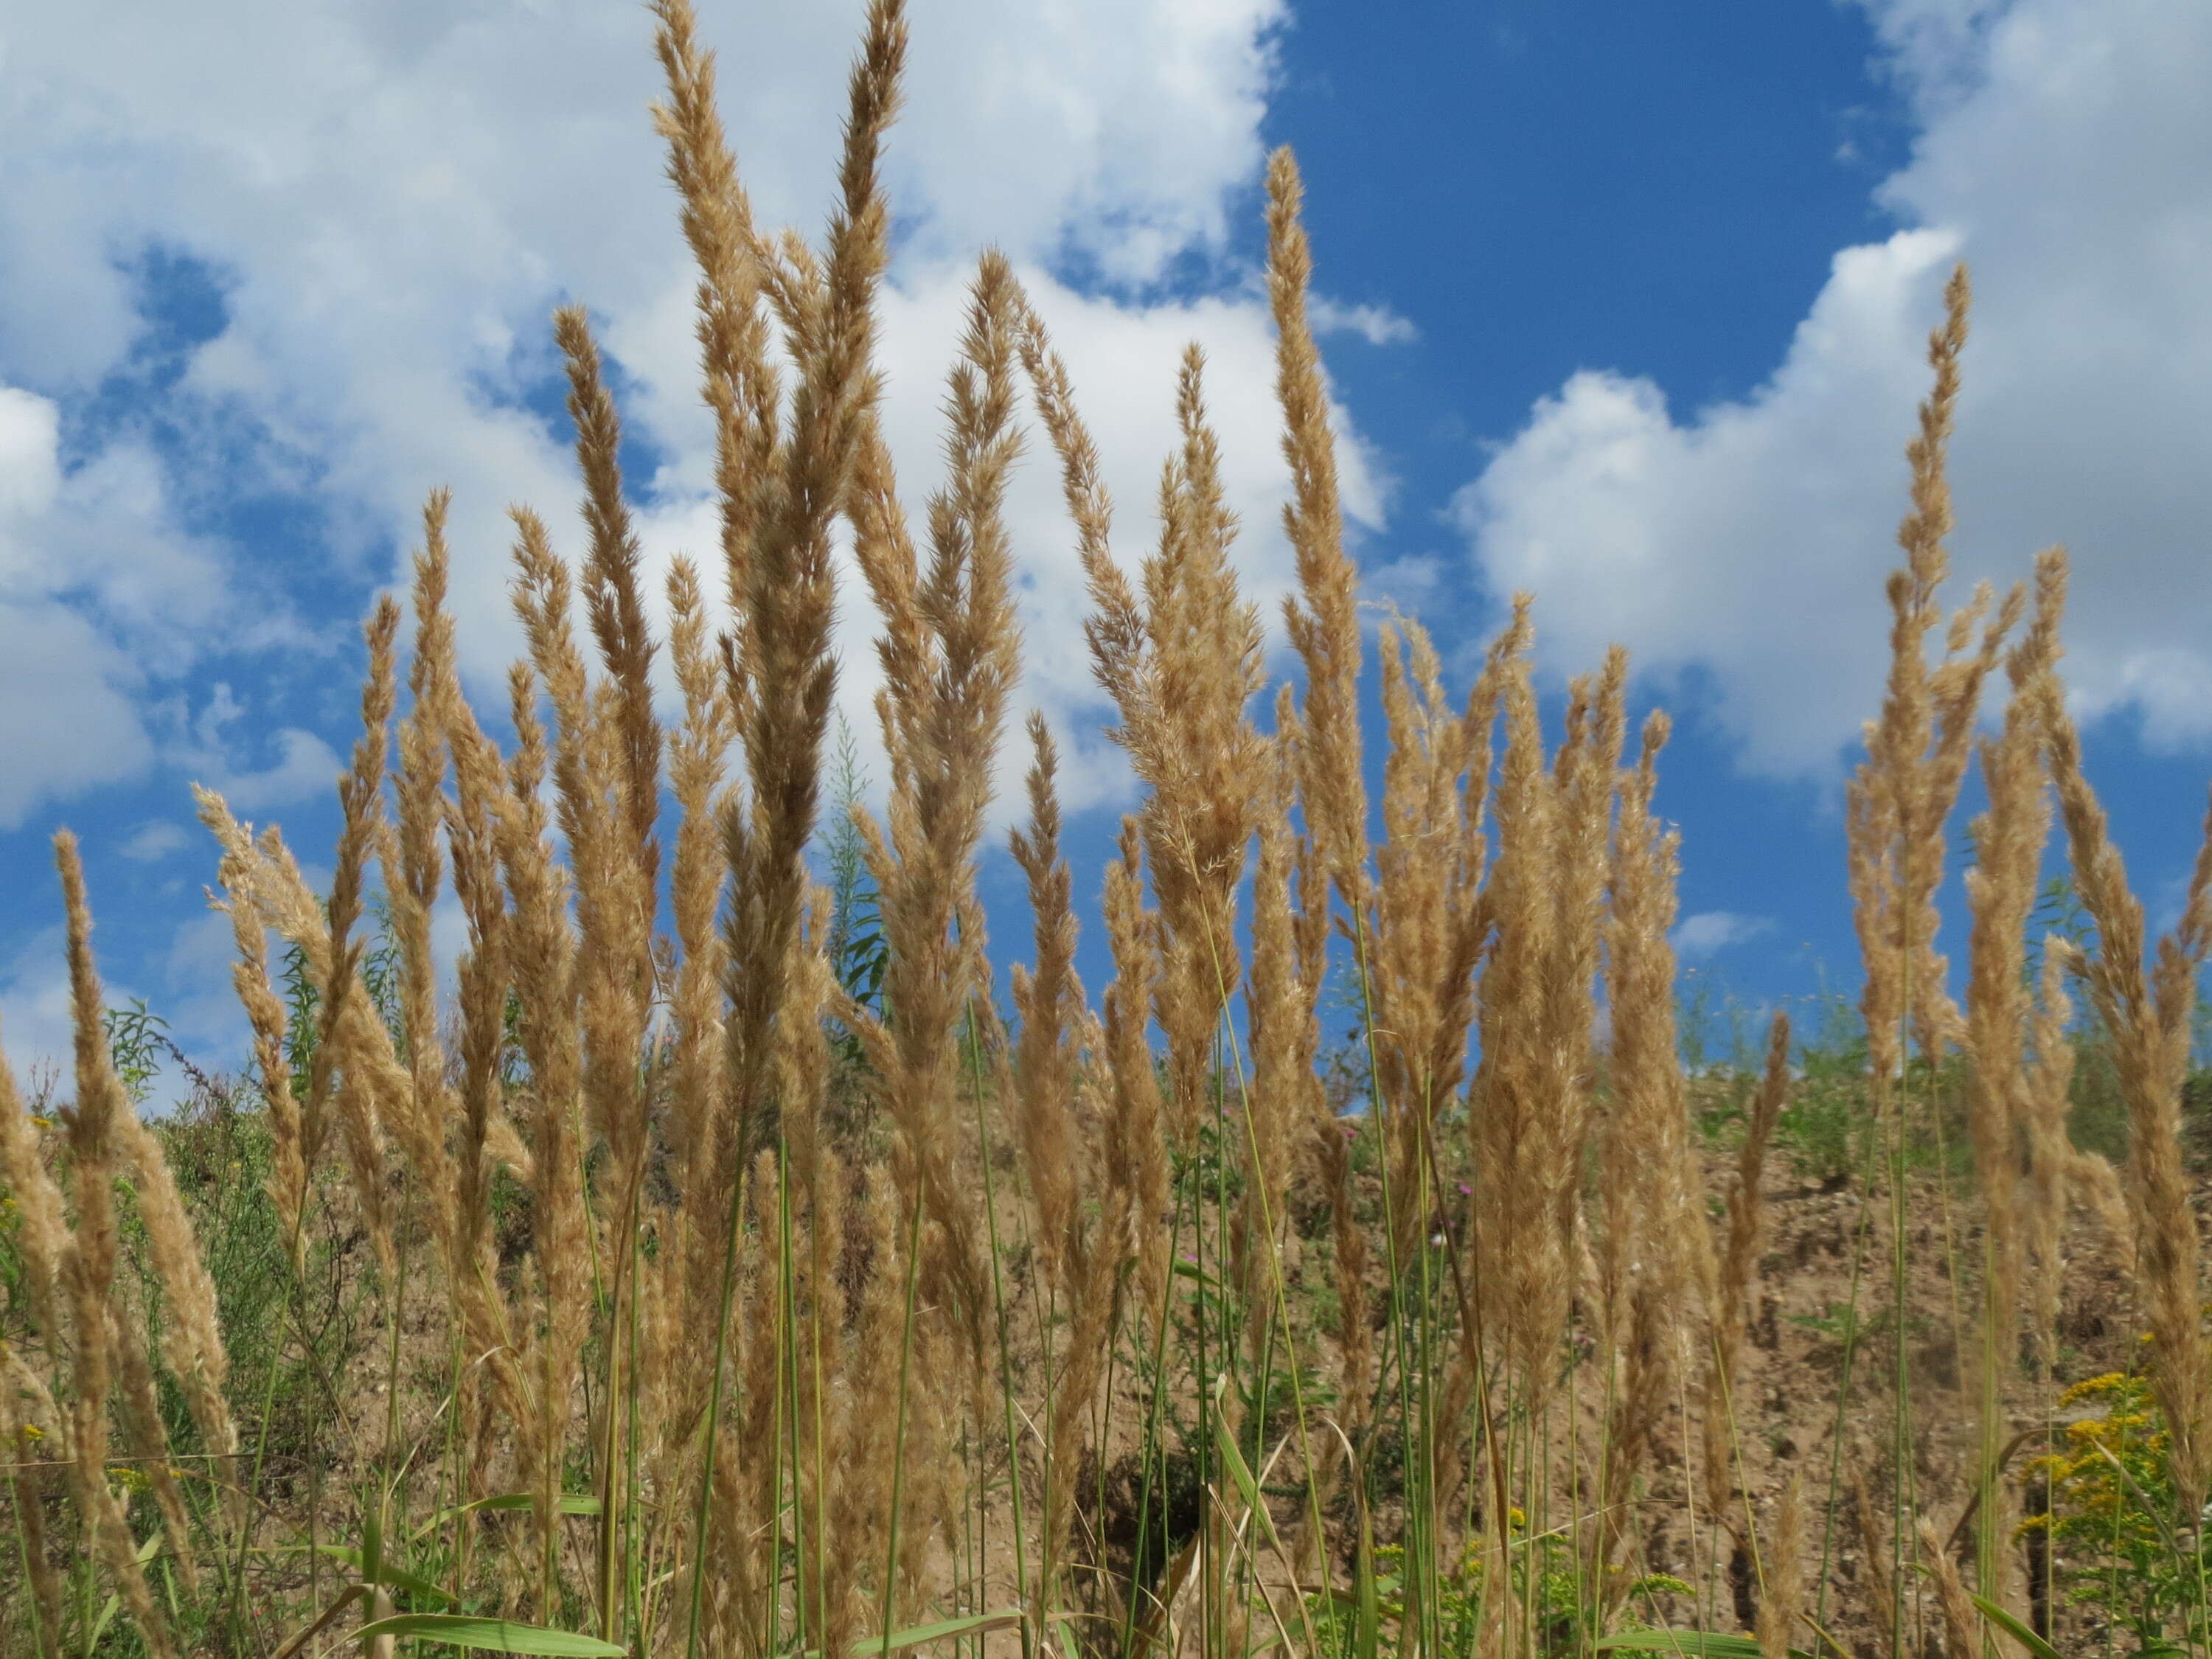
(1626, 303)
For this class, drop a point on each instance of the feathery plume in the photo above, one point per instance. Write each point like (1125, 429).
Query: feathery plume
(292, 1147)
(1961, 1624)
(42, 1229)
(1916, 752)
(1739, 1261)
(742, 385)
(1781, 1598)
(1649, 1254)
(2150, 1047)
(94, 1143)
(783, 692)
(1322, 617)
(1049, 1000)
(2048, 1083)
(343, 1008)
(190, 1328)
(950, 651)
(2008, 840)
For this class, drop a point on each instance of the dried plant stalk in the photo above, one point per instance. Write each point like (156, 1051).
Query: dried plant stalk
(1962, 1625)
(950, 651)
(2009, 841)
(1321, 618)
(1782, 1599)
(1049, 1000)
(95, 1152)
(2147, 1015)
(700, 1236)
(1653, 1252)
(1738, 1261)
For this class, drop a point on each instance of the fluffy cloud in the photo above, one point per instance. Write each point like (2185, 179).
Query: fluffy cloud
(35, 1016)
(308, 256)
(104, 592)
(304, 765)
(1376, 325)
(2065, 153)
(186, 985)
(66, 719)
(153, 841)
(392, 198)
(1709, 932)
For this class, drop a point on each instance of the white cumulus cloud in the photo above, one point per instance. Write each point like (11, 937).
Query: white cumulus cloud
(153, 841)
(2065, 153)
(1376, 325)
(392, 195)
(1710, 932)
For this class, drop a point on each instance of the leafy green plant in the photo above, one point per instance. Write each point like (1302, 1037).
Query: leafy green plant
(1546, 1577)
(297, 990)
(2113, 1506)
(1838, 1322)
(857, 950)
(133, 1039)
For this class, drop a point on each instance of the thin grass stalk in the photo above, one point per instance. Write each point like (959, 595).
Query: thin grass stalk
(31, 1549)
(339, 959)
(771, 1521)
(1899, 802)
(45, 1248)
(1654, 1249)
(1211, 1589)
(1061, 1162)
(93, 1143)
(1279, 1311)
(2147, 1016)
(618, 863)
(293, 1159)
(1738, 1264)
(1428, 918)
(2001, 892)
(949, 654)
(1419, 1566)
(1781, 1574)
(1150, 1454)
(787, 597)
(816, 1291)
(1280, 1026)
(395, 1302)
(999, 1310)
(898, 1454)
(1863, 1235)
(631, 1460)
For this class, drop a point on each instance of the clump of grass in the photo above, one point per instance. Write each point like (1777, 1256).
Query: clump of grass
(597, 1317)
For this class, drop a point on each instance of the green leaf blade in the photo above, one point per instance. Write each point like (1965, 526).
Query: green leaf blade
(460, 1630)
